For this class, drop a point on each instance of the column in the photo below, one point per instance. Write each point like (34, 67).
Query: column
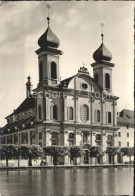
(76, 109)
(93, 139)
(78, 138)
(48, 137)
(114, 114)
(91, 106)
(104, 145)
(89, 138)
(65, 108)
(44, 105)
(43, 138)
(66, 141)
(103, 113)
(47, 108)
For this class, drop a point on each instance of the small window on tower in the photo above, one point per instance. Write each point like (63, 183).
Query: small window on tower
(53, 70)
(107, 81)
(39, 112)
(96, 77)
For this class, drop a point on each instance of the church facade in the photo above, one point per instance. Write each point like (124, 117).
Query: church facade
(79, 110)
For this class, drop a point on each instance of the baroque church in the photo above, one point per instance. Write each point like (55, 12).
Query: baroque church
(79, 110)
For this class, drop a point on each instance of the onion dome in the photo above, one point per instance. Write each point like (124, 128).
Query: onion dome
(102, 53)
(48, 38)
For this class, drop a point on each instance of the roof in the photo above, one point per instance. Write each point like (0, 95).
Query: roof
(21, 124)
(126, 117)
(102, 53)
(28, 103)
(48, 39)
(66, 81)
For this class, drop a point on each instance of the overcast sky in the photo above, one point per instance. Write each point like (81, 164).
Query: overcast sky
(77, 24)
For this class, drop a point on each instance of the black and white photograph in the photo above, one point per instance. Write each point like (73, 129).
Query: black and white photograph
(66, 98)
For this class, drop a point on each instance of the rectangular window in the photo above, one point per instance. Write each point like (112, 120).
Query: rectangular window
(119, 134)
(40, 135)
(127, 144)
(127, 134)
(119, 143)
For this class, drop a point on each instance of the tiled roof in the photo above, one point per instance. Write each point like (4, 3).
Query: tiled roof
(126, 117)
(11, 127)
(26, 104)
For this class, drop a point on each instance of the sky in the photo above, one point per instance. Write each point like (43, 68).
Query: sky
(78, 26)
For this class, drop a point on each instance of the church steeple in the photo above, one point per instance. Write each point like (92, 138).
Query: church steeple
(28, 87)
(102, 53)
(48, 56)
(102, 68)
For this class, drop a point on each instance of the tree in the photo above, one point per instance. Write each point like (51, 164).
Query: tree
(30, 152)
(55, 152)
(112, 151)
(8, 151)
(75, 152)
(96, 152)
(127, 151)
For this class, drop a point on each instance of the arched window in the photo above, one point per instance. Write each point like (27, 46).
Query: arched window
(53, 70)
(39, 112)
(71, 139)
(84, 113)
(107, 81)
(70, 113)
(109, 117)
(96, 77)
(98, 116)
(40, 71)
(55, 138)
(54, 112)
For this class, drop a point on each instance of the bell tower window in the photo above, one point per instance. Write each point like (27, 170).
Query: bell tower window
(40, 71)
(53, 70)
(39, 112)
(107, 81)
(96, 77)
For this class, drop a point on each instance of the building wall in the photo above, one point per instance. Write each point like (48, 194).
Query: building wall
(123, 138)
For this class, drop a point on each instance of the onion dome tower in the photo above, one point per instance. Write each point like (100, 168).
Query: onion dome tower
(28, 87)
(48, 57)
(102, 68)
